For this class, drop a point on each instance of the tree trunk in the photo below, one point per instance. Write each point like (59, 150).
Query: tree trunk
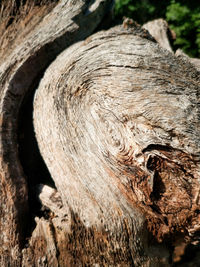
(117, 122)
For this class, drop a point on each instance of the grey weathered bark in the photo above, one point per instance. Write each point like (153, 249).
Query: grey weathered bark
(194, 61)
(117, 122)
(160, 30)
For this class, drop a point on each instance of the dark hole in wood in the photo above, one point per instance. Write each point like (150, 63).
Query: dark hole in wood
(158, 187)
(156, 147)
(191, 255)
(32, 162)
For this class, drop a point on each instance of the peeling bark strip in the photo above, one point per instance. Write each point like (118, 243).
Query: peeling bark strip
(117, 121)
(41, 41)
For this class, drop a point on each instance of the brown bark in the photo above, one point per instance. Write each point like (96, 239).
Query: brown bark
(41, 41)
(117, 123)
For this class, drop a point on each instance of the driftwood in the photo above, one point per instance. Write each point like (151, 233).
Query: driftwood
(116, 119)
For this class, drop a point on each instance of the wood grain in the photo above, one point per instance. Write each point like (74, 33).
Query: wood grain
(117, 122)
(20, 69)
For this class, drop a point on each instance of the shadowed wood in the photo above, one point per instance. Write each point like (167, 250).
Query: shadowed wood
(117, 122)
(20, 69)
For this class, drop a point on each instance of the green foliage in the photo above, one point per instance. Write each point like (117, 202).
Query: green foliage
(185, 21)
(139, 10)
(183, 17)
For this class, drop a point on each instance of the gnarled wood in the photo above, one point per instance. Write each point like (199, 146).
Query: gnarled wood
(119, 132)
(117, 122)
(66, 23)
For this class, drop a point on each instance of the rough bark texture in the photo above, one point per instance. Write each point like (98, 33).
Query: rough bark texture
(117, 122)
(194, 61)
(159, 29)
(66, 23)
(122, 142)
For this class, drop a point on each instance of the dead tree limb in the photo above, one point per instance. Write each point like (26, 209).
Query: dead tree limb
(117, 122)
(119, 132)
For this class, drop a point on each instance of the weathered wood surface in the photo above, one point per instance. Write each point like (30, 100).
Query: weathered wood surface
(42, 39)
(117, 122)
(160, 30)
(194, 61)
(119, 132)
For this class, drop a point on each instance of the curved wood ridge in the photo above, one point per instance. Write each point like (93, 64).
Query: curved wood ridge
(66, 23)
(117, 121)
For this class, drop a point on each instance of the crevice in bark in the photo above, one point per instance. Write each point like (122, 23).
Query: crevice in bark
(32, 162)
(156, 147)
(184, 255)
(171, 171)
(158, 188)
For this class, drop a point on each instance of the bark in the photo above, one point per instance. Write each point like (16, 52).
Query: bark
(117, 123)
